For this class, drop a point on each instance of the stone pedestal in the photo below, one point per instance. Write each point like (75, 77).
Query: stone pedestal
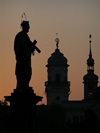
(22, 111)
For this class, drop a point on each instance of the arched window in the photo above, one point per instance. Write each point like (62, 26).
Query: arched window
(57, 78)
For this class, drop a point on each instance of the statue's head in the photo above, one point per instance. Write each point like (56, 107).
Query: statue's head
(25, 26)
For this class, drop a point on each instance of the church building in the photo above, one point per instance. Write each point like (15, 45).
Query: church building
(57, 86)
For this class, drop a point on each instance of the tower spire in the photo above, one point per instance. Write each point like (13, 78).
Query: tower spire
(90, 60)
(90, 79)
(90, 54)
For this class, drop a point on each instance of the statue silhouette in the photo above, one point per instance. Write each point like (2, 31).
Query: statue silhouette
(24, 48)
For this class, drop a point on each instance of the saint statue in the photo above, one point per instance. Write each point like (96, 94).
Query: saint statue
(24, 48)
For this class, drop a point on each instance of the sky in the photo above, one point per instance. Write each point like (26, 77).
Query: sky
(73, 20)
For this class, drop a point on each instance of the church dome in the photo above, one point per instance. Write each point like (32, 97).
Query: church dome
(57, 59)
(90, 77)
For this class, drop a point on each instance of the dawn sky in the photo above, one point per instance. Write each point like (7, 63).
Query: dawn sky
(73, 20)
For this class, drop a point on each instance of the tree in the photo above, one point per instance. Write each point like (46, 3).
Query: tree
(3, 103)
(4, 111)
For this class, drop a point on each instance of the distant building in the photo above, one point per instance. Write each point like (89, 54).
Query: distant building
(57, 87)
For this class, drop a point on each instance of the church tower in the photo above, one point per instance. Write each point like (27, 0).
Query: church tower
(90, 79)
(57, 86)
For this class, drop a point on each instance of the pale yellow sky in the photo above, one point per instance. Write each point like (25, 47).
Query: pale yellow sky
(74, 20)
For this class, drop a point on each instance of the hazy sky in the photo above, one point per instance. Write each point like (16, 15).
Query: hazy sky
(74, 20)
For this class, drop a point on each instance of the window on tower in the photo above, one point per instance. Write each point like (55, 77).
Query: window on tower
(57, 78)
(90, 93)
(90, 67)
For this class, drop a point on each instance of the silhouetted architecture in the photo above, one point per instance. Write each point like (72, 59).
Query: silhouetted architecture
(89, 125)
(23, 100)
(79, 116)
(90, 79)
(57, 87)
(22, 111)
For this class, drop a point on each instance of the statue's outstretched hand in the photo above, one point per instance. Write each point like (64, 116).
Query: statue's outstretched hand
(34, 42)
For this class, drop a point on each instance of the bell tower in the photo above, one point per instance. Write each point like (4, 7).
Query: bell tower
(57, 86)
(90, 79)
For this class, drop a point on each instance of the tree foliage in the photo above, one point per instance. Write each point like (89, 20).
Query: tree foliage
(3, 103)
(4, 111)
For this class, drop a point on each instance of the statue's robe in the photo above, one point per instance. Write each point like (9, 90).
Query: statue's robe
(22, 48)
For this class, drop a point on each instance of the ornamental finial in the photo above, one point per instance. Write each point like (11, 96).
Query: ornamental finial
(90, 55)
(90, 38)
(57, 40)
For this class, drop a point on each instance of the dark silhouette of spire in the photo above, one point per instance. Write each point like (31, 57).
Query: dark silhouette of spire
(90, 79)
(90, 54)
(90, 60)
